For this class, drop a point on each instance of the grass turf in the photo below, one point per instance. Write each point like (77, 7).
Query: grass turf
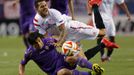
(122, 63)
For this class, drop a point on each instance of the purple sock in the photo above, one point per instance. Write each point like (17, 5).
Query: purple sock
(76, 72)
(84, 63)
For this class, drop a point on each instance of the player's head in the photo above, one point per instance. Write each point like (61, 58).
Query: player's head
(35, 40)
(41, 7)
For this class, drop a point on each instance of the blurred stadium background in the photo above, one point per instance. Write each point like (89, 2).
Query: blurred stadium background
(12, 47)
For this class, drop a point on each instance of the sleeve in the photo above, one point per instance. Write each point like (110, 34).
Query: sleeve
(38, 21)
(119, 1)
(26, 58)
(58, 17)
(41, 30)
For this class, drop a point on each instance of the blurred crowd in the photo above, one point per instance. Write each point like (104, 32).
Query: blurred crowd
(8, 12)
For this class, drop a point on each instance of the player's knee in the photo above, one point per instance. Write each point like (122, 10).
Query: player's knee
(64, 71)
(71, 59)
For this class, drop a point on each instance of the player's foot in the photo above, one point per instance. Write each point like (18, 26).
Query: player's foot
(97, 70)
(109, 44)
(93, 2)
(103, 59)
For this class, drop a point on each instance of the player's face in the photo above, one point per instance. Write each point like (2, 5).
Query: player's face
(42, 8)
(39, 44)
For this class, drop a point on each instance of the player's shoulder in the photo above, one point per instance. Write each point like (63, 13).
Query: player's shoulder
(37, 18)
(29, 50)
(53, 11)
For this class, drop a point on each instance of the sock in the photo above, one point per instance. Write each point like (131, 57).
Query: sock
(98, 19)
(76, 72)
(93, 51)
(110, 50)
(84, 63)
(102, 50)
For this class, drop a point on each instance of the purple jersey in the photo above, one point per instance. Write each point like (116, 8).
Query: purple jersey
(60, 5)
(47, 58)
(27, 13)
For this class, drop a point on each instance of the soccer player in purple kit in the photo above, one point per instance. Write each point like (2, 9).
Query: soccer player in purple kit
(27, 13)
(43, 52)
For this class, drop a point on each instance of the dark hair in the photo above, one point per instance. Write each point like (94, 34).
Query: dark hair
(36, 2)
(33, 36)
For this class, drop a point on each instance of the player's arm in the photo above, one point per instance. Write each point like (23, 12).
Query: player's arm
(15, 3)
(71, 8)
(125, 9)
(21, 69)
(63, 35)
(60, 24)
(23, 62)
(89, 8)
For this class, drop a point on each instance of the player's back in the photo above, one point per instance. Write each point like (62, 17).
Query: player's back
(61, 5)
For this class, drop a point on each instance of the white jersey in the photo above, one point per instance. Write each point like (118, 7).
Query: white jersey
(76, 31)
(53, 20)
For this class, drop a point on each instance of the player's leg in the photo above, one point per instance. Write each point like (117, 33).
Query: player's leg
(110, 50)
(90, 53)
(102, 50)
(25, 33)
(25, 40)
(93, 51)
(65, 71)
(111, 32)
(84, 64)
(97, 17)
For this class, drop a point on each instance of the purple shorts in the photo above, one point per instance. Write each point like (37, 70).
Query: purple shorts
(61, 63)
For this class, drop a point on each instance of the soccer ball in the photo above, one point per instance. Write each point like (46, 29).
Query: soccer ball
(70, 48)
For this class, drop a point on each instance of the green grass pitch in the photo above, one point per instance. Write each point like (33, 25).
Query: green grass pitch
(122, 63)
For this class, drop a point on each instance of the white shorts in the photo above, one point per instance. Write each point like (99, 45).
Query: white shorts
(109, 25)
(78, 31)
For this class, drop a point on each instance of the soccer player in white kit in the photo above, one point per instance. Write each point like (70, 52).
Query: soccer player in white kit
(106, 8)
(46, 19)
(74, 30)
